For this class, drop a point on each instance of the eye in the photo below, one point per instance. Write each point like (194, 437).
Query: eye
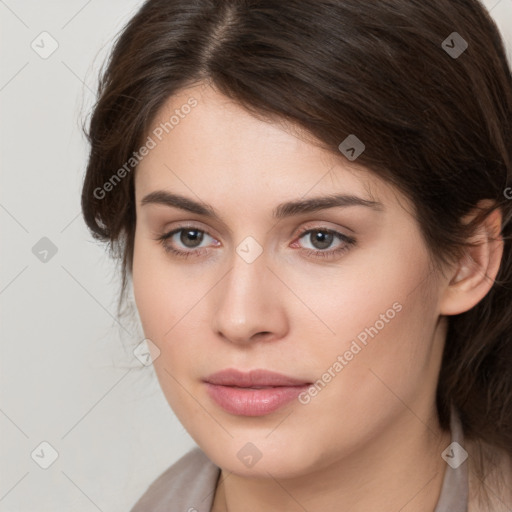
(189, 237)
(323, 239)
(186, 241)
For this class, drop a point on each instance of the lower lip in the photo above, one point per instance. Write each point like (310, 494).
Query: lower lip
(253, 402)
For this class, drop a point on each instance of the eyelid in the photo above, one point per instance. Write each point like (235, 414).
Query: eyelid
(167, 234)
(322, 225)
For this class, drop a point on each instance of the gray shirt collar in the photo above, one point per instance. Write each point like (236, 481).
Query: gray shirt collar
(455, 489)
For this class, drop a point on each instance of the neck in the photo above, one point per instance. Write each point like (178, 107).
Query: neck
(402, 470)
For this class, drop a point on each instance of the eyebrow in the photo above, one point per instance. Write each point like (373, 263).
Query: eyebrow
(283, 210)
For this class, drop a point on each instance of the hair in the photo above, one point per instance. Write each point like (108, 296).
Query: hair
(437, 126)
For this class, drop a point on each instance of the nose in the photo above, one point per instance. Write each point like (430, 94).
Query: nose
(248, 305)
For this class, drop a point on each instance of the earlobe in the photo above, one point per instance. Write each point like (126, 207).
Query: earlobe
(476, 271)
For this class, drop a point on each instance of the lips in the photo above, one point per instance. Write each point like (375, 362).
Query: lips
(256, 393)
(253, 379)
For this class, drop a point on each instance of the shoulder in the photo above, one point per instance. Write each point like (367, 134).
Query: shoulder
(188, 485)
(490, 478)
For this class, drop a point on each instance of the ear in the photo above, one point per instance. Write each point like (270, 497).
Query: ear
(473, 276)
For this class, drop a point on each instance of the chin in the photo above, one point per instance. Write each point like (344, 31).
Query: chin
(258, 456)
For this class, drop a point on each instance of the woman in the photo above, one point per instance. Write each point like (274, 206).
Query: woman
(311, 201)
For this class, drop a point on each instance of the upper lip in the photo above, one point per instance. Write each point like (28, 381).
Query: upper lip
(253, 378)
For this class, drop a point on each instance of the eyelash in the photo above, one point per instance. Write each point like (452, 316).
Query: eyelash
(327, 254)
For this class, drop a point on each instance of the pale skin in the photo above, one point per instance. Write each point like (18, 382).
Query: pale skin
(370, 440)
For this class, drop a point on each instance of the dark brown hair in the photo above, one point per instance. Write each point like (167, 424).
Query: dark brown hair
(436, 125)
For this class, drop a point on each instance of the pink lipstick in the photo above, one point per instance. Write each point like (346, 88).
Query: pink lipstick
(255, 393)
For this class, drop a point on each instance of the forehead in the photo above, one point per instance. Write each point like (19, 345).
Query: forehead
(205, 144)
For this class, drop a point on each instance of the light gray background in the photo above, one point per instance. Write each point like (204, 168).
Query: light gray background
(65, 375)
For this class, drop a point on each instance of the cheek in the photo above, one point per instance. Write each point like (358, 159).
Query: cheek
(162, 303)
(154, 289)
(384, 365)
(143, 278)
(382, 323)
(354, 300)
(168, 300)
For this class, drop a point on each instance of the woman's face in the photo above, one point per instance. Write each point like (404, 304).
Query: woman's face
(350, 307)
